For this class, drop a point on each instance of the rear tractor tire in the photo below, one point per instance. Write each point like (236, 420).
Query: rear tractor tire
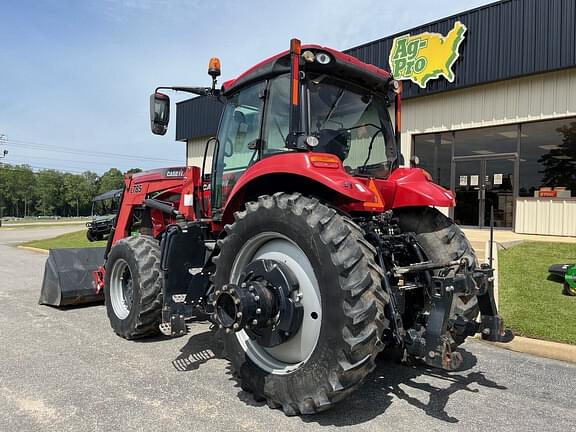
(339, 285)
(442, 241)
(133, 287)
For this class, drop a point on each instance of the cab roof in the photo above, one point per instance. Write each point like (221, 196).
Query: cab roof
(341, 66)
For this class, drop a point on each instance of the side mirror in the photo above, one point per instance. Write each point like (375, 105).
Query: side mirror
(159, 113)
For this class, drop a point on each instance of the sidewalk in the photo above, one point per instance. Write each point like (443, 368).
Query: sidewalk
(479, 237)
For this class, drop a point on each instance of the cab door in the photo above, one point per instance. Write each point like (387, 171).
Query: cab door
(238, 142)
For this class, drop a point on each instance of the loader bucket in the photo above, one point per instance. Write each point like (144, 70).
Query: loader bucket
(68, 277)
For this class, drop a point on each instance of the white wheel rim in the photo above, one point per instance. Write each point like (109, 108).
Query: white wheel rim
(286, 357)
(121, 289)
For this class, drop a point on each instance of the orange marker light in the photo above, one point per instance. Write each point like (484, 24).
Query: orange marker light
(325, 161)
(378, 203)
(295, 46)
(295, 50)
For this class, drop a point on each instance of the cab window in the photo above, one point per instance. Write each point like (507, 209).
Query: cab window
(277, 115)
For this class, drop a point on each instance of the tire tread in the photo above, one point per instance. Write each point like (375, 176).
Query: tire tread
(363, 306)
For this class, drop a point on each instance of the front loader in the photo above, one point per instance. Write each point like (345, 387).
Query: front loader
(308, 246)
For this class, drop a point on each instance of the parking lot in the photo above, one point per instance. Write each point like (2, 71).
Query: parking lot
(65, 370)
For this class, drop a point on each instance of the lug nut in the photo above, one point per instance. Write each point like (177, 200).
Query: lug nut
(243, 284)
(256, 298)
(258, 311)
(431, 354)
(235, 326)
(217, 293)
(225, 288)
(239, 315)
(228, 330)
(237, 301)
(255, 322)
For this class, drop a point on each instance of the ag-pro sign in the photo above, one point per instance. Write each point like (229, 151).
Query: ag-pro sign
(426, 56)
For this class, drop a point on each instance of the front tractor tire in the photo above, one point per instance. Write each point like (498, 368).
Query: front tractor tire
(339, 289)
(133, 287)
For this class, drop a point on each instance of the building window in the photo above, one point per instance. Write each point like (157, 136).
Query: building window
(486, 141)
(548, 158)
(435, 154)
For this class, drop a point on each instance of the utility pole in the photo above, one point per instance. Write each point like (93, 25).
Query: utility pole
(3, 154)
(3, 139)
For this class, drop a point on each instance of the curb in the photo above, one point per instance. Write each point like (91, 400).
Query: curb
(33, 249)
(540, 348)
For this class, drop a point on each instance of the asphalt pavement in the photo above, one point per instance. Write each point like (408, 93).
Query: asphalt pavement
(65, 370)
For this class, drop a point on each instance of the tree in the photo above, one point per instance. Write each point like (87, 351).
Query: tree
(133, 171)
(111, 179)
(24, 183)
(16, 189)
(79, 190)
(50, 190)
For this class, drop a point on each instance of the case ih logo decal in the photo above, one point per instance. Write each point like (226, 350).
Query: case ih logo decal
(426, 56)
(175, 172)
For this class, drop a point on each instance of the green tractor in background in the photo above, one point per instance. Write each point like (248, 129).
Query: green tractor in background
(104, 209)
(568, 273)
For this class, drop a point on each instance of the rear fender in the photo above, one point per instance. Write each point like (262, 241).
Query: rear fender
(297, 172)
(407, 187)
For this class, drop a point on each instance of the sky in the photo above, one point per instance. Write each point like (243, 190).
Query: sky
(76, 76)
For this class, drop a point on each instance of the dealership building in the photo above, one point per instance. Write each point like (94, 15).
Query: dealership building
(497, 126)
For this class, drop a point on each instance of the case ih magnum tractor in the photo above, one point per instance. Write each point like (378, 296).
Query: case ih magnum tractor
(308, 247)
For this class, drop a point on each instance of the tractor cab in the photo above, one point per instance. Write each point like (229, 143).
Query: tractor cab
(336, 117)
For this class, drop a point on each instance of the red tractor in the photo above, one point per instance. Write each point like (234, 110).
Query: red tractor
(308, 246)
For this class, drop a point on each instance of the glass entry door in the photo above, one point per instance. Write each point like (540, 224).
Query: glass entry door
(479, 184)
(468, 195)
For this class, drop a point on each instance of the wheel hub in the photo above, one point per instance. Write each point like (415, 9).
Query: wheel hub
(262, 304)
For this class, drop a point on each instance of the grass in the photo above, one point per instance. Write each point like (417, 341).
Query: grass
(71, 240)
(532, 305)
(42, 223)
